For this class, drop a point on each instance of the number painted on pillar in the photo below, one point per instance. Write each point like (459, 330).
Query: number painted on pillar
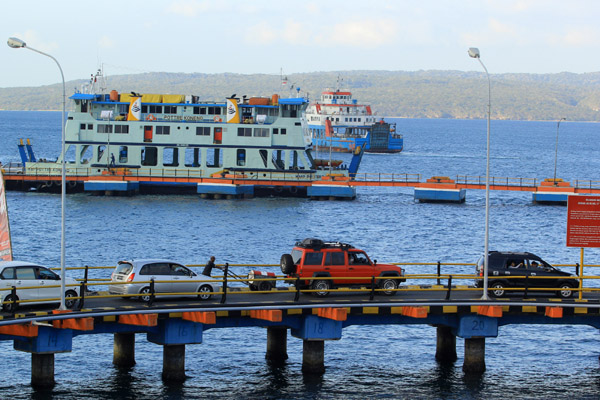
(183, 331)
(318, 327)
(478, 325)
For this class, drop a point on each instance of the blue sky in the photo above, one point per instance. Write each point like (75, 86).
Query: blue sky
(259, 36)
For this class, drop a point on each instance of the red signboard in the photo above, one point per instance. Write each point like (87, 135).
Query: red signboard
(583, 221)
(5, 246)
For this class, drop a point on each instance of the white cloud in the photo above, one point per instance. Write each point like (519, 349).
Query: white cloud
(261, 33)
(364, 32)
(580, 37)
(189, 8)
(31, 38)
(106, 42)
(294, 32)
(498, 27)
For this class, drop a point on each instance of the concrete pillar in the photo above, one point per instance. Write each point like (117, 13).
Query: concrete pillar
(276, 344)
(313, 356)
(474, 355)
(174, 362)
(446, 345)
(42, 369)
(124, 350)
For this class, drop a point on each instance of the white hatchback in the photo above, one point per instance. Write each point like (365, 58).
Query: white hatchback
(33, 283)
(133, 278)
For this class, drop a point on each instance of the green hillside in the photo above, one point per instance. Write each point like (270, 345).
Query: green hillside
(420, 94)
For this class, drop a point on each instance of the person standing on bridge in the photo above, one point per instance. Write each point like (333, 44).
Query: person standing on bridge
(209, 266)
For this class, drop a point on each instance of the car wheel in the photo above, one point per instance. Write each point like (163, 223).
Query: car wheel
(287, 264)
(204, 293)
(566, 290)
(388, 286)
(70, 299)
(145, 294)
(10, 307)
(496, 289)
(264, 286)
(321, 286)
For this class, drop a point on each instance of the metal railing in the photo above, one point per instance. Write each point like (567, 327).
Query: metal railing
(441, 282)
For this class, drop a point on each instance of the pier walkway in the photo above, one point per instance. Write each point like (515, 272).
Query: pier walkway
(289, 183)
(449, 303)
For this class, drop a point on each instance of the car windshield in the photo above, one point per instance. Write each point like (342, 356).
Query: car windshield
(296, 256)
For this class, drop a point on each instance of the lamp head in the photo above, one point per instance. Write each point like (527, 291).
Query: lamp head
(474, 52)
(15, 43)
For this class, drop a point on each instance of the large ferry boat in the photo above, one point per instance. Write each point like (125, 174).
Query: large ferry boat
(338, 123)
(132, 142)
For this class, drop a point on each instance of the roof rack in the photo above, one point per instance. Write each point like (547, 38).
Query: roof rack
(312, 243)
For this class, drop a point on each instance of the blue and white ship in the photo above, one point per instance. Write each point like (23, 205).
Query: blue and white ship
(338, 123)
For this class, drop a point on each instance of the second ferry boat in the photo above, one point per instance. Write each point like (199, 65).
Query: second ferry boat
(338, 123)
(129, 142)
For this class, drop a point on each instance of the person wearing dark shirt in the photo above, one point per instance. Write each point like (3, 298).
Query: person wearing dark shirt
(209, 266)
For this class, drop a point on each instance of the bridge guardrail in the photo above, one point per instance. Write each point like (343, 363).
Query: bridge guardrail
(439, 282)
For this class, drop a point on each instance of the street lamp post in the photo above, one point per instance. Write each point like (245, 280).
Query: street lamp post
(474, 53)
(556, 148)
(16, 44)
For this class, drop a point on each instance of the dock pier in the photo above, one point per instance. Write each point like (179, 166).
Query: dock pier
(174, 328)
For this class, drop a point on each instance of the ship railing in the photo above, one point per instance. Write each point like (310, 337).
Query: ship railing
(385, 177)
(497, 181)
(444, 281)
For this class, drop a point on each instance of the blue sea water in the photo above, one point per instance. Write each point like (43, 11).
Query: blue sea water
(368, 362)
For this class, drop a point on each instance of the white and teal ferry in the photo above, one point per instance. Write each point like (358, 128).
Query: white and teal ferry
(130, 142)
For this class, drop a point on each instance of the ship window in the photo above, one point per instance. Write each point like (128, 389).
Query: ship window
(163, 130)
(122, 154)
(104, 128)
(149, 156)
(214, 158)
(123, 108)
(90, 127)
(297, 162)
(192, 157)
(82, 127)
(70, 154)
(101, 150)
(170, 156)
(202, 110)
(282, 131)
(261, 132)
(144, 109)
(241, 157)
(214, 110)
(244, 131)
(121, 128)
(263, 156)
(279, 159)
(170, 109)
(155, 109)
(85, 154)
(275, 131)
(203, 130)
